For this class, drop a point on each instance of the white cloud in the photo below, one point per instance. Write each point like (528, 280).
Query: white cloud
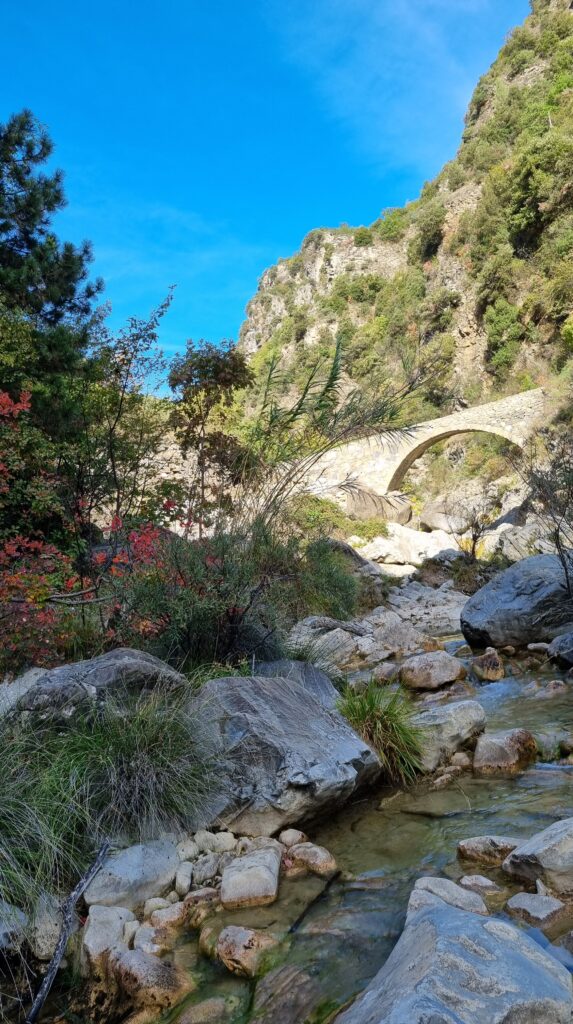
(389, 71)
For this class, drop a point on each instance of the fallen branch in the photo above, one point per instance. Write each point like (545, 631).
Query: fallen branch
(67, 921)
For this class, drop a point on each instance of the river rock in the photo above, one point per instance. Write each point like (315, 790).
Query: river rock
(285, 756)
(537, 910)
(454, 967)
(508, 751)
(59, 691)
(252, 880)
(527, 602)
(13, 923)
(561, 650)
(131, 876)
(450, 893)
(314, 858)
(480, 884)
(45, 927)
(433, 610)
(148, 982)
(292, 836)
(430, 671)
(183, 878)
(187, 849)
(102, 931)
(488, 667)
(491, 850)
(287, 994)
(155, 903)
(241, 950)
(447, 729)
(405, 546)
(548, 855)
(209, 1011)
(206, 868)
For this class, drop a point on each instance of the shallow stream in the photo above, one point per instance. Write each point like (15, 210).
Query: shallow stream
(339, 935)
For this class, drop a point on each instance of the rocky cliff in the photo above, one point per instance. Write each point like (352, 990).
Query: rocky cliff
(474, 278)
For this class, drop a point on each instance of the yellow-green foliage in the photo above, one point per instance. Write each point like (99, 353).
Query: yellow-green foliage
(320, 517)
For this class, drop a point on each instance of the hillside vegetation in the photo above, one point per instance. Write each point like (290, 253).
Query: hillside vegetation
(475, 278)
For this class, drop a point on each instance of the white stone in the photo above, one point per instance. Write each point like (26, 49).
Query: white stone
(183, 878)
(187, 849)
(252, 880)
(292, 836)
(103, 930)
(453, 894)
(131, 876)
(155, 903)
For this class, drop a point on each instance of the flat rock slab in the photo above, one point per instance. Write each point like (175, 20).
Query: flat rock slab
(490, 850)
(537, 910)
(431, 671)
(547, 856)
(252, 880)
(450, 893)
(480, 884)
(503, 752)
(130, 877)
(447, 729)
(453, 967)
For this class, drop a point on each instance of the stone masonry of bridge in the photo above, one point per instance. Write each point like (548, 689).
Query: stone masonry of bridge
(379, 463)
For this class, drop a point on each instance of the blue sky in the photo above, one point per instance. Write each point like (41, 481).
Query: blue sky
(202, 141)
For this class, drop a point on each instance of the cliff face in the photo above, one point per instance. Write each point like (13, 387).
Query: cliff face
(467, 273)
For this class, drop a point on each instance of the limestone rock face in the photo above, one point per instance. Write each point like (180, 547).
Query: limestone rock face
(548, 856)
(132, 876)
(501, 752)
(252, 880)
(447, 729)
(525, 603)
(285, 756)
(454, 967)
(430, 671)
(60, 691)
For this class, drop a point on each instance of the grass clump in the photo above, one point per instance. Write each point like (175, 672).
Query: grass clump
(124, 771)
(383, 718)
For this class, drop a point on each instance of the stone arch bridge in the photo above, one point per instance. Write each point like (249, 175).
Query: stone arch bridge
(378, 464)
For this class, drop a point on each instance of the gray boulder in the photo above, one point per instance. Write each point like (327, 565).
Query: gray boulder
(13, 924)
(431, 670)
(450, 893)
(447, 729)
(504, 752)
(454, 967)
(130, 877)
(61, 690)
(285, 756)
(561, 650)
(548, 856)
(526, 602)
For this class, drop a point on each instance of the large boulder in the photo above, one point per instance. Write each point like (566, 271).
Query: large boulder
(560, 650)
(447, 729)
(59, 691)
(455, 967)
(434, 610)
(364, 504)
(314, 680)
(285, 756)
(548, 856)
(130, 877)
(527, 602)
(504, 752)
(252, 880)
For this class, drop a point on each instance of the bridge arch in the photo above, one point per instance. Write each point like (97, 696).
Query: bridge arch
(421, 447)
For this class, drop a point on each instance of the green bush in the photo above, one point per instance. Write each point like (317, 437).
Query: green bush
(363, 236)
(383, 718)
(505, 333)
(430, 230)
(392, 224)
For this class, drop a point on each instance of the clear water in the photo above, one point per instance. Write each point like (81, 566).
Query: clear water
(382, 844)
